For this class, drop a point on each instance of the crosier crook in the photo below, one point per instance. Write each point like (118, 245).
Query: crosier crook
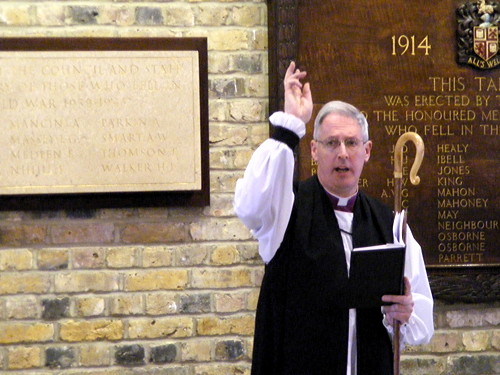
(398, 187)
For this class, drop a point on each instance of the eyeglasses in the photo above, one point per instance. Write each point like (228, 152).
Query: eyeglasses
(332, 144)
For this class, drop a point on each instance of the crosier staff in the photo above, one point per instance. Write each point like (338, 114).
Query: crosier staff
(398, 188)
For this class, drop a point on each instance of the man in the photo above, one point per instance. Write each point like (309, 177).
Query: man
(304, 323)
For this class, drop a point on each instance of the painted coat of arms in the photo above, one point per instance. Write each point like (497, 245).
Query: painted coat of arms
(477, 33)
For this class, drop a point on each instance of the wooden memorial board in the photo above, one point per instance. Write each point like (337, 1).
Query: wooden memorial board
(101, 117)
(412, 66)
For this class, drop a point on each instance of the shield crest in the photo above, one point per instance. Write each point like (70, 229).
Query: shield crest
(486, 41)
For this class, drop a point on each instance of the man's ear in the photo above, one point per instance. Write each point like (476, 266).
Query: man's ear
(368, 150)
(314, 150)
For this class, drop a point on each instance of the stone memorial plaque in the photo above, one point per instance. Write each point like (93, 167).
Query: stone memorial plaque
(428, 67)
(101, 121)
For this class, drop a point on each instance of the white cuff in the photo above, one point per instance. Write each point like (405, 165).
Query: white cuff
(289, 122)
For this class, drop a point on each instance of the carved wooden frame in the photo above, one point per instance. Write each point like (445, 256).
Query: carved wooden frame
(451, 284)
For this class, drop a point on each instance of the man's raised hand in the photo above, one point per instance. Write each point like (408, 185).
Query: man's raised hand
(298, 98)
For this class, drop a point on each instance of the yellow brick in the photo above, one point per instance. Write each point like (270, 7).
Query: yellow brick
(225, 39)
(211, 15)
(156, 280)
(121, 257)
(217, 278)
(157, 256)
(224, 255)
(12, 333)
(15, 260)
(179, 16)
(24, 357)
(192, 255)
(86, 282)
(16, 15)
(198, 351)
(260, 40)
(247, 15)
(119, 16)
(90, 306)
(91, 330)
(53, 259)
(218, 63)
(258, 85)
(253, 299)
(160, 328)
(50, 15)
(239, 325)
(220, 229)
(160, 304)
(258, 134)
(222, 369)
(126, 305)
(95, 355)
(230, 302)
(475, 341)
(495, 340)
(22, 307)
(19, 282)
(225, 135)
(247, 110)
(444, 341)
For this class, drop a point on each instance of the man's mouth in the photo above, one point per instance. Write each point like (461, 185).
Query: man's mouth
(341, 169)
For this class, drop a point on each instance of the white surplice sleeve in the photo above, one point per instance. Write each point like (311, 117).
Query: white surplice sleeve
(264, 196)
(420, 328)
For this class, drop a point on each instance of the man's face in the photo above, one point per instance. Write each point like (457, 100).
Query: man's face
(339, 167)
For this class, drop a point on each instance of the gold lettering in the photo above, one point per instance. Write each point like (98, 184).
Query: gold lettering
(462, 236)
(493, 115)
(461, 258)
(440, 115)
(448, 83)
(463, 203)
(450, 181)
(363, 183)
(397, 100)
(438, 130)
(452, 147)
(443, 215)
(450, 159)
(441, 100)
(488, 84)
(457, 192)
(400, 129)
(489, 129)
(461, 170)
(463, 225)
(386, 115)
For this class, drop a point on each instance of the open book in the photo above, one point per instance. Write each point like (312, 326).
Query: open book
(378, 270)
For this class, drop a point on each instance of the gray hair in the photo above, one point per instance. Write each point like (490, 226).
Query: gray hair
(344, 109)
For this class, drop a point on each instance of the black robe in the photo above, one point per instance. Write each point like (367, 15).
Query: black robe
(303, 309)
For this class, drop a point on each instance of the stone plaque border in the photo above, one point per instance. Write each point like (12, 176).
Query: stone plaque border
(452, 284)
(120, 199)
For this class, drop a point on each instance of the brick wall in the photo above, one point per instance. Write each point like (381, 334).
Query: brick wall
(169, 290)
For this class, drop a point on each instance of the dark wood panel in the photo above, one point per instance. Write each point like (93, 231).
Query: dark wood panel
(347, 49)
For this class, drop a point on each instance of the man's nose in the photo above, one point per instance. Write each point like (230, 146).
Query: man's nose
(342, 151)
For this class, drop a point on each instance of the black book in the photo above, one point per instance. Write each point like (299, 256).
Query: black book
(378, 270)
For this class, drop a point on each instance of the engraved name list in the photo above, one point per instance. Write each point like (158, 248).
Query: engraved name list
(78, 122)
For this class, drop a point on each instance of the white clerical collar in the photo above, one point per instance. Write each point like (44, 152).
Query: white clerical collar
(342, 204)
